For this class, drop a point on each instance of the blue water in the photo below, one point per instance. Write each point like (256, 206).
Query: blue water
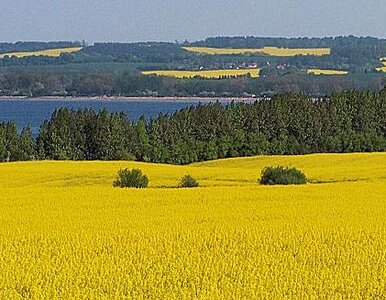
(33, 112)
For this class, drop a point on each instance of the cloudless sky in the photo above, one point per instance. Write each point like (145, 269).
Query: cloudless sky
(169, 20)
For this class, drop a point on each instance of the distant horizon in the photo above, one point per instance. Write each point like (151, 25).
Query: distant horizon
(191, 40)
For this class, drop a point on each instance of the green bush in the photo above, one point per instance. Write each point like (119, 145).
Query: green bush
(282, 175)
(188, 182)
(130, 178)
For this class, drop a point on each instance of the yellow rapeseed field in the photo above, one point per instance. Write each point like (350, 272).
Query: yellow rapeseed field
(272, 51)
(50, 52)
(326, 72)
(254, 73)
(383, 61)
(66, 233)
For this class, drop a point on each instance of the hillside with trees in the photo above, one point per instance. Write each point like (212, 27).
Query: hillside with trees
(115, 68)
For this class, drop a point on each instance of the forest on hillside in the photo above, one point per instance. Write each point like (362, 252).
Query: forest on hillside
(115, 68)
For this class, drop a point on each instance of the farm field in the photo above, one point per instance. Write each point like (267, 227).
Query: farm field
(382, 69)
(67, 233)
(49, 52)
(326, 72)
(254, 73)
(272, 51)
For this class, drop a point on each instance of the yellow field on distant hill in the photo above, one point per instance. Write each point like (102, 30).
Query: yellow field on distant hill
(326, 72)
(66, 233)
(383, 61)
(254, 73)
(51, 52)
(272, 51)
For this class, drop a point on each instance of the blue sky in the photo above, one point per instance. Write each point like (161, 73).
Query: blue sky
(169, 20)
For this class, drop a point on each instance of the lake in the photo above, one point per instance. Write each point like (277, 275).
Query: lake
(33, 112)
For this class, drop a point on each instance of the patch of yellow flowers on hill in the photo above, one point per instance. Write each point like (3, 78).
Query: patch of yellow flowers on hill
(383, 61)
(326, 72)
(66, 233)
(254, 73)
(271, 51)
(50, 52)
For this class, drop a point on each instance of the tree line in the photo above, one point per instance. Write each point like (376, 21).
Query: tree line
(336, 43)
(350, 121)
(34, 83)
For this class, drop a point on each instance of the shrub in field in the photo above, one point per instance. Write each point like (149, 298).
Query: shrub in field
(282, 175)
(188, 182)
(130, 178)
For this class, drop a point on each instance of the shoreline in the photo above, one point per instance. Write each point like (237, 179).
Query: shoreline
(133, 99)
